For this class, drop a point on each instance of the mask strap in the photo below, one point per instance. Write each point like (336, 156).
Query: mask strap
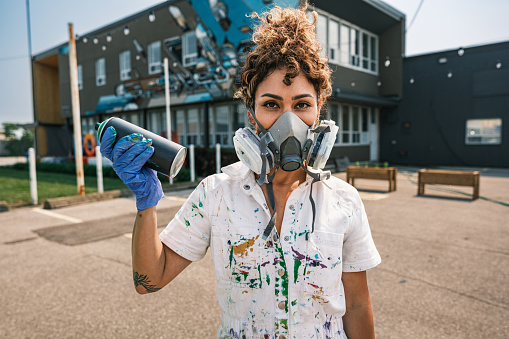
(316, 177)
(272, 221)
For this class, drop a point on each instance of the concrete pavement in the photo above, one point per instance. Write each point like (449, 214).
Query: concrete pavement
(445, 264)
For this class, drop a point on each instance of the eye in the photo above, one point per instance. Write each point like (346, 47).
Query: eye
(270, 104)
(302, 105)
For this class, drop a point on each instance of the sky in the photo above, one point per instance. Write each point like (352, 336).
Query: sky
(437, 25)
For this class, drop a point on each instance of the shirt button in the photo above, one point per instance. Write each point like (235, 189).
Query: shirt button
(292, 207)
(281, 305)
(247, 187)
(281, 272)
(287, 238)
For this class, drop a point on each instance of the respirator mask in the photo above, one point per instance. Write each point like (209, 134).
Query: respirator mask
(287, 144)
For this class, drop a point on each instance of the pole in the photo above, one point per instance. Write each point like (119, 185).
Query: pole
(99, 169)
(33, 175)
(76, 115)
(218, 158)
(167, 99)
(32, 91)
(191, 161)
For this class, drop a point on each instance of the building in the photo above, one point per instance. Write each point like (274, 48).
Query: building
(454, 110)
(121, 73)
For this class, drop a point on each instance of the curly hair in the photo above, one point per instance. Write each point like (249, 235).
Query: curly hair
(285, 39)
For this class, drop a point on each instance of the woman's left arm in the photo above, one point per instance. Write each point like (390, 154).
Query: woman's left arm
(358, 319)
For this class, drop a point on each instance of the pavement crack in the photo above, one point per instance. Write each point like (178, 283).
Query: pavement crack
(463, 294)
(17, 241)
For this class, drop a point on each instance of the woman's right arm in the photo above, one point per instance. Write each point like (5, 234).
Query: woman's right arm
(154, 264)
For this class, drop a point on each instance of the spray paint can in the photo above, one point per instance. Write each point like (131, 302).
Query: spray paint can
(168, 156)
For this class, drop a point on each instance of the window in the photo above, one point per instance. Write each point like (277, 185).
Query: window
(100, 72)
(156, 124)
(347, 45)
(364, 125)
(321, 31)
(238, 118)
(181, 126)
(484, 132)
(80, 77)
(193, 130)
(154, 57)
(353, 48)
(221, 118)
(125, 65)
(345, 125)
(334, 43)
(334, 115)
(354, 124)
(190, 49)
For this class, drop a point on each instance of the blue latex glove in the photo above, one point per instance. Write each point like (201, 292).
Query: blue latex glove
(129, 155)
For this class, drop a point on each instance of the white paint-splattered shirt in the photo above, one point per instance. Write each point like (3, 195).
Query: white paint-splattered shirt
(286, 286)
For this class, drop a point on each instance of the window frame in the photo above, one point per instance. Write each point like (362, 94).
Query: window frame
(124, 62)
(346, 113)
(483, 135)
(80, 77)
(353, 57)
(100, 72)
(154, 52)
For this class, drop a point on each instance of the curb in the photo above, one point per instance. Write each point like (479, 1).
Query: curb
(4, 207)
(79, 199)
(72, 200)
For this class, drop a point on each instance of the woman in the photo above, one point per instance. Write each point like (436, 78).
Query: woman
(290, 244)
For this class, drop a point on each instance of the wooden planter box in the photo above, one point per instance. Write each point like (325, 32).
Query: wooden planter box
(446, 177)
(387, 173)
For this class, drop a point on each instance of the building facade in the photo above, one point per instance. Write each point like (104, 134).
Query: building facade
(454, 110)
(121, 73)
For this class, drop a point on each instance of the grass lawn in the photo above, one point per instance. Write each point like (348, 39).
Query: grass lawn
(15, 186)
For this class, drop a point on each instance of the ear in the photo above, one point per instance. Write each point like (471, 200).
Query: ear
(250, 118)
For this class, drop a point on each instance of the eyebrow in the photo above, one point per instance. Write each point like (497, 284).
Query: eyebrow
(277, 97)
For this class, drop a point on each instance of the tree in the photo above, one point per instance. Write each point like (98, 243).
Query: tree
(17, 146)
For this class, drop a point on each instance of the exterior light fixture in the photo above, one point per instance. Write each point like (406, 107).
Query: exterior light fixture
(95, 40)
(151, 16)
(387, 62)
(499, 64)
(449, 74)
(442, 60)
(461, 51)
(85, 39)
(379, 83)
(412, 80)
(352, 84)
(108, 37)
(126, 30)
(103, 47)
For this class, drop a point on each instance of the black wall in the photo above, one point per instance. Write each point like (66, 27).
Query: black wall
(429, 125)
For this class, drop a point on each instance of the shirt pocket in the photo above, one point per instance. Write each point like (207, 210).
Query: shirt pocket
(323, 264)
(237, 255)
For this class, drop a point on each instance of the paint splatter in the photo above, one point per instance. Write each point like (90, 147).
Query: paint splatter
(241, 249)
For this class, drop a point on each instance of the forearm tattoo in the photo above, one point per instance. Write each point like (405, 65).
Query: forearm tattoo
(143, 280)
